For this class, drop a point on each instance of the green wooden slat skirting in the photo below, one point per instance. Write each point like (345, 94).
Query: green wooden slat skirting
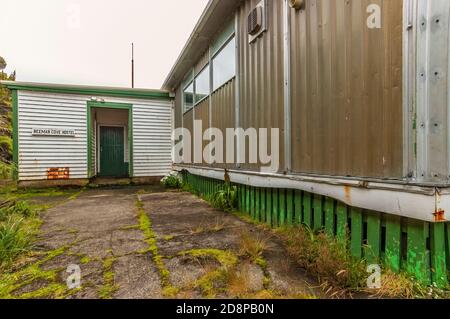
(282, 206)
(258, 204)
(356, 232)
(393, 243)
(373, 248)
(289, 207)
(269, 207)
(263, 202)
(318, 212)
(298, 209)
(307, 210)
(420, 248)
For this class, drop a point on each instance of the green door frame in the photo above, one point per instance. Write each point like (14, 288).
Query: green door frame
(109, 105)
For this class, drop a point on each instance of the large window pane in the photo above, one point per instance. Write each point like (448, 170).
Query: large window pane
(224, 65)
(202, 85)
(188, 97)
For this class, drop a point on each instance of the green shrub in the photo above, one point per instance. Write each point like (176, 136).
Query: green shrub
(225, 198)
(6, 143)
(5, 171)
(13, 241)
(171, 181)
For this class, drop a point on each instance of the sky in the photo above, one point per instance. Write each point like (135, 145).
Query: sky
(88, 42)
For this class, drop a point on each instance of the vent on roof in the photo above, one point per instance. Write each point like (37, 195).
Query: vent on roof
(256, 21)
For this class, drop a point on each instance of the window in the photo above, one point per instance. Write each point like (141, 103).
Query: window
(224, 64)
(202, 87)
(188, 94)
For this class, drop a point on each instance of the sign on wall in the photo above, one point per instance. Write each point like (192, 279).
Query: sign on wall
(58, 173)
(53, 132)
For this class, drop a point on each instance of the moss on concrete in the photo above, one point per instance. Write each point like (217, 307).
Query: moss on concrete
(145, 225)
(215, 280)
(107, 290)
(224, 257)
(13, 281)
(85, 260)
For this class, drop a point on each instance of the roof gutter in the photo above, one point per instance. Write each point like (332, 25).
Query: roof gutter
(194, 42)
(88, 90)
(212, 4)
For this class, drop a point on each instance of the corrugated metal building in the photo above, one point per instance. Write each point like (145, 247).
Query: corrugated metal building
(359, 92)
(69, 134)
(341, 88)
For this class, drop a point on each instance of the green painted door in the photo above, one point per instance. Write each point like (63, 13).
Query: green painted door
(112, 152)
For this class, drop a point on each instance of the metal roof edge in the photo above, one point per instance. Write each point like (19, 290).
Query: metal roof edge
(88, 90)
(196, 35)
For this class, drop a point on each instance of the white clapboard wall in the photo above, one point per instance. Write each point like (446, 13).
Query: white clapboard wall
(152, 125)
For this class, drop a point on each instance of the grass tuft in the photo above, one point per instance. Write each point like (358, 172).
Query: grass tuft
(22, 209)
(13, 240)
(327, 259)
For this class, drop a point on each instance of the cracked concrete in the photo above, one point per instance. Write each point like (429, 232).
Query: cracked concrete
(102, 225)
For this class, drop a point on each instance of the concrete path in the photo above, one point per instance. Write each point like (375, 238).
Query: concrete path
(148, 243)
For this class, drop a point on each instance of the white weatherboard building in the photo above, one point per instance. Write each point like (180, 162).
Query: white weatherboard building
(70, 134)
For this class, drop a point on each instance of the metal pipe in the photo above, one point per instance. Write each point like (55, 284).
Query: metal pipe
(237, 106)
(287, 86)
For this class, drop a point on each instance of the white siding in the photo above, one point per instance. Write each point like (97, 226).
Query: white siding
(152, 125)
(39, 153)
(152, 136)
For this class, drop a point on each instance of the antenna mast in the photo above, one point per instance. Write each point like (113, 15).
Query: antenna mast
(132, 65)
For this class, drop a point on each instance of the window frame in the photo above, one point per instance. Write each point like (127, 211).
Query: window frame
(195, 85)
(210, 64)
(221, 48)
(191, 82)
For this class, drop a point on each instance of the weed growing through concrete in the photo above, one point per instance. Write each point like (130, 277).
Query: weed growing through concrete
(150, 238)
(108, 288)
(20, 222)
(205, 228)
(216, 278)
(85, 260)
(10, 282)
(19, 225)
(168, 238)
(253, 247)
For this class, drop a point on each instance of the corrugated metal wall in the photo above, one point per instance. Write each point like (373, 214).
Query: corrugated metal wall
(179, 108)
(223, 112)
(204, 60)
(39, 153)
(152, 131)
(202, 114)
(188, 123)
(152, 138)
(93, 133)
(432, 28)
(347, 89)
(261, 74)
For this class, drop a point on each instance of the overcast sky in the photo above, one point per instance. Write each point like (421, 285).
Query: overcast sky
(88, 42)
